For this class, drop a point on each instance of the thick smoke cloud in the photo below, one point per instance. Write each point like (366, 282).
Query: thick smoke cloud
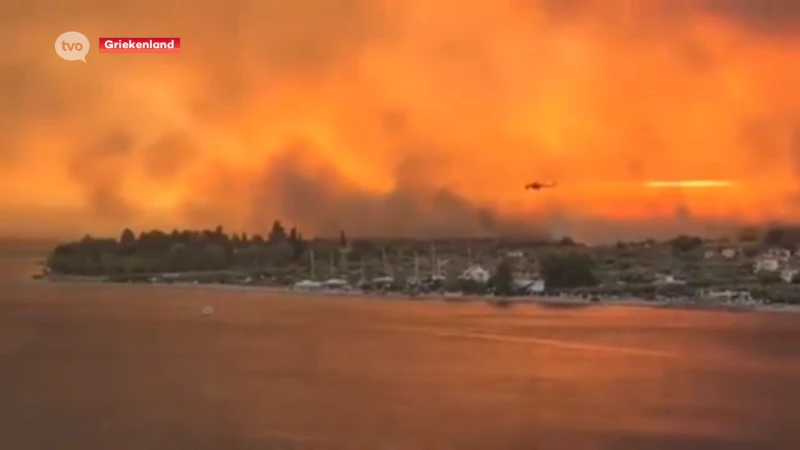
(763, 16)
(99, 168)
(409, 209)
(402, 118)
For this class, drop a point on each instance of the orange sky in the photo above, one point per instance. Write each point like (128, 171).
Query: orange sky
(406, 117)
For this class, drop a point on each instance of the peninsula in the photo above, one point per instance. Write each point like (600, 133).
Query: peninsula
(753, 267)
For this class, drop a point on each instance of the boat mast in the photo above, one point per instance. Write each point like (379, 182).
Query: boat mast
(434, 261)
(343, 269)
(312, 262)
(387, 268)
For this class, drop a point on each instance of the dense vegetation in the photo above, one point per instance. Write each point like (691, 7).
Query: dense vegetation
(281, 251)
(284, 255)
(178, 251)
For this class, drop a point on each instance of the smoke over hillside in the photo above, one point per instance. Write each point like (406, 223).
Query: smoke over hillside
(412, 118)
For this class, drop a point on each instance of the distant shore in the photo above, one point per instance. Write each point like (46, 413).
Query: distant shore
(542, 301)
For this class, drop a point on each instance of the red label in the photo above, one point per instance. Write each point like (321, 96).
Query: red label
(140, 45)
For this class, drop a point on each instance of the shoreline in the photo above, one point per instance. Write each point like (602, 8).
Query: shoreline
(554, 302)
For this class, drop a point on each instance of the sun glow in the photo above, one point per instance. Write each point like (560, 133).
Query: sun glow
(690, 184)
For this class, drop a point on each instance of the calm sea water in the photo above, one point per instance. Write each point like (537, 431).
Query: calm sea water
(109, 367)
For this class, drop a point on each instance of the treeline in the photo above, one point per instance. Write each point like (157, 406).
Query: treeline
(778, 236)
(566, 265)
(560, 271)
(177, 251)
(783, 236)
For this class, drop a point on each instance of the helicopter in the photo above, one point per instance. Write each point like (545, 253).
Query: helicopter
(537, 186)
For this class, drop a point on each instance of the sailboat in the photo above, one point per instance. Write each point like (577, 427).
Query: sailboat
(436, 282)
(416, 280)
(309, 284)
(334, 282)
(384, 282)
(413, 283)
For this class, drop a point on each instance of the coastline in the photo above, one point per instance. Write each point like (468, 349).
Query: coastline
(555, 302)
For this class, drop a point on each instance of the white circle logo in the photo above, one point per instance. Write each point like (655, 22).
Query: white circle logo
(72, 46)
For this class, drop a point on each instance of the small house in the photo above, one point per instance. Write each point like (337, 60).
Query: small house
(476, 273)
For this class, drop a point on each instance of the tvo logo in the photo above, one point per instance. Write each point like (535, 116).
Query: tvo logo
(72, 46)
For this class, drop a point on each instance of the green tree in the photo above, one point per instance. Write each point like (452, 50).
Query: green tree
(769, 278)
(568, 270)
(782, 236)
(281, 253)
(748, 234)
(469, 286)
(297, 243)
(215, 257)
(180, 258)
(153, 242)
(127, 238)
(178, 250)
(277, 233)
(503, 279)
(685, 243)
(566, 242)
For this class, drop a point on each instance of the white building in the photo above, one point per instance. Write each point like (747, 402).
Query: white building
(788, 275)
(665, 278)
(780, 254)
(476, 273)
(529, 284)
(772, 260)
(727, 253)
(767, 264)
